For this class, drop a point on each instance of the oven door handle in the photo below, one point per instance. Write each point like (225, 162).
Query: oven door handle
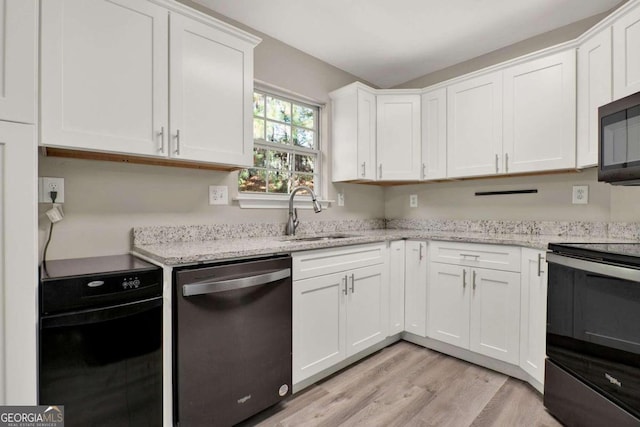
(97, 315)
(215, 286)
(601, 268)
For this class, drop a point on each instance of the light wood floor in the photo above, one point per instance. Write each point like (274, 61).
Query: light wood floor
(407, 385)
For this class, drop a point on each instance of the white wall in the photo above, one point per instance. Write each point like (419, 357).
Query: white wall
(457, 200)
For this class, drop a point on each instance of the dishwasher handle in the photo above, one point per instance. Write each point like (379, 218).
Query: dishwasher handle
(216, 286)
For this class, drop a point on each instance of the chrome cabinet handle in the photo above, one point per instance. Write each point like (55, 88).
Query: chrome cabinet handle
(464, 278)
(364, 169)
(424, 171)
(162, 139)
(497, 170)
(178, 142)
(216, 286)
(506, 162)
(540, 258)
(380, 171)
(463, 256)
(474, 280)
(344, 291)
(353, 283)
(420, 254)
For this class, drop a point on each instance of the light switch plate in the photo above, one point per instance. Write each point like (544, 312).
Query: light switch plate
(340, 199)
(218, 195)
(580, 195)
(413, 200)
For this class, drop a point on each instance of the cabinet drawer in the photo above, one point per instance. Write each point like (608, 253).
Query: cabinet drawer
(497, 257)
(328, 261)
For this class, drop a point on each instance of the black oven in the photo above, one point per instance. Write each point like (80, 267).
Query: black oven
(593, 334)
(619, 141)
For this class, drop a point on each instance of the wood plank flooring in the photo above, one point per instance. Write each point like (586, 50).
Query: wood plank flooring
(407, 385)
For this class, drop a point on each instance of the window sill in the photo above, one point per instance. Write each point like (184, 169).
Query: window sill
(263, 201)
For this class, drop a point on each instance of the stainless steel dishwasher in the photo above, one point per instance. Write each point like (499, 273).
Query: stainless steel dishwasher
(232, 340)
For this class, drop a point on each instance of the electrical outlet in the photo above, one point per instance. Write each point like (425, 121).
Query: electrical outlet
(46, 185)
(580, 195)
(218, 195)
(413, 200)
(340, 199)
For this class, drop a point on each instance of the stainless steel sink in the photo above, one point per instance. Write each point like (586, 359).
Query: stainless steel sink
(320, 238)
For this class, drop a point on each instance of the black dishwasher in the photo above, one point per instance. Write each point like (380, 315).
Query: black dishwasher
(232, 340)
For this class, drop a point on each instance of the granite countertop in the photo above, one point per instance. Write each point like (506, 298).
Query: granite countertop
(192, 252)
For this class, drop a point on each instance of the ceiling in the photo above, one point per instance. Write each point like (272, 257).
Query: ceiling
(389, 42)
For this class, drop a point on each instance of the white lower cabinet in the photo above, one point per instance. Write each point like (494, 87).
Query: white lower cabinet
(415, 302)
(471, 307)
(339, 314)
(396, 287)
(475, 308)
(533, 313)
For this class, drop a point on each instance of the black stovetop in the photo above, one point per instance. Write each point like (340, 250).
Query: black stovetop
(619, 253)
(94, 266)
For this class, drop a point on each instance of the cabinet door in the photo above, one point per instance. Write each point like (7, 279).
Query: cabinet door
(434, 134)
(415, 316)
(626, 61)
(211, 94)
(104, 68)
(18, 53)
(533, 310)
(398, 137)
(366, 135)
(474, 126)
(448, 304)
(319, 324)
(367, 315)
(396, 286)
(495, 314)
(540, 114)
(594, 90)
(18, 264)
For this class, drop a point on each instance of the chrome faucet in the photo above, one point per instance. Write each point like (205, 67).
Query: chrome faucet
(293, 222)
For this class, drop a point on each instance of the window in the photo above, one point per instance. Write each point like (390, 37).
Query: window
(286, 152)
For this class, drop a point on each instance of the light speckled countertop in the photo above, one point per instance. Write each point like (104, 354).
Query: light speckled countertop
(192, 252)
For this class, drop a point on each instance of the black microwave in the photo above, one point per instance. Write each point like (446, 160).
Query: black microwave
(619, 141)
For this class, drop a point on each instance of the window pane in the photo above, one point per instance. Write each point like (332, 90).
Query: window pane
(253, 180)
(258, 128)
(303, 116)
(258, 104)
(303, 179)
(303, 138)
(279, 160)
(278, 109)
(279, 133)
(305, 163)
(278, 182)
(259, 157)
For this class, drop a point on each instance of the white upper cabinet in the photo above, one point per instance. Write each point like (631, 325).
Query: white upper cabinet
(398, 137)
(626, 57)
(105, 81)
(434, 134)
(540, 114)
(474, 126)
(104, 73)
(211, 94)
(594, 89)
(353, 112)
(18, 53)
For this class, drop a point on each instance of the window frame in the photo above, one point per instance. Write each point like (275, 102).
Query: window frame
(291, 148)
